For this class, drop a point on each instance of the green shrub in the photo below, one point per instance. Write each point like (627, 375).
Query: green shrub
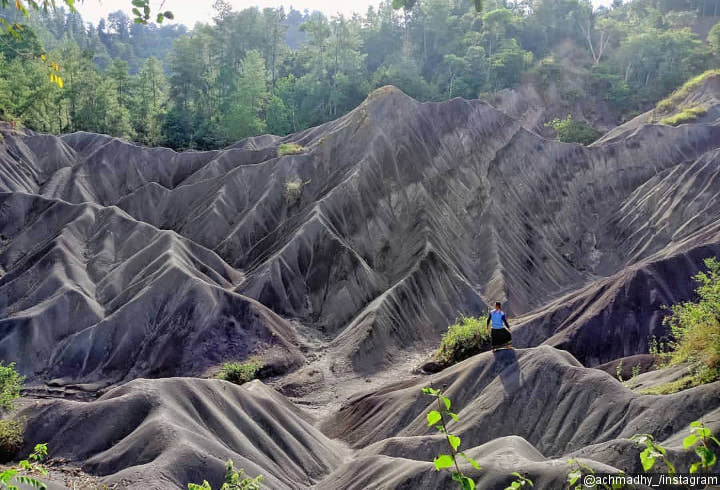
(467, 337)
(11, 438)
(10, 384)
(695, 326)
(240, 373)
(290, 149)
(685, 115)
(671, 103)
(570, 130)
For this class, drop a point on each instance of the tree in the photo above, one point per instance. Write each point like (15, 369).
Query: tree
(118, 72)
(278, 117)
(653, 62)
(598, 31)
(570, 130)
(149, 99)
(26, 46)
(243, 117)
(714, 40)
(508, 65)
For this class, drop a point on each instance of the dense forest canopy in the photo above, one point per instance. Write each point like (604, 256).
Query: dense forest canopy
(278, 71)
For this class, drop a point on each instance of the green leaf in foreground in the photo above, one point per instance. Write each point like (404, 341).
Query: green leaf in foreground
(433, 417)
(454, 442)
(573, 477)
(443, 461)
(707, 457)
(446, 401)
(647, 459)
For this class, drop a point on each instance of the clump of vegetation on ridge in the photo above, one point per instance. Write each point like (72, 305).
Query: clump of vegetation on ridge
(695, 326)
(290, 149)
(686, 115)
(673, 101)
(465, 338)
(240, 372)
(571, 130)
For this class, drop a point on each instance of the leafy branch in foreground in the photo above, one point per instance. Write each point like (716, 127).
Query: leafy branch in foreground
(703, 435)
(141, 10)
(700, 438)
(23, 473)
(653, 452)
(578, 469)
(234, 480)
(436, 418)
(519, 482)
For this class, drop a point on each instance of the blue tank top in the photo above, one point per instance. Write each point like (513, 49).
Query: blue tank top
(497, 318)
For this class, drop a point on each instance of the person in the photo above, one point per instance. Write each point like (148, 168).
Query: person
(500, 330)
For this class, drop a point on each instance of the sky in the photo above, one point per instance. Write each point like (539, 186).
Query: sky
(189, 12)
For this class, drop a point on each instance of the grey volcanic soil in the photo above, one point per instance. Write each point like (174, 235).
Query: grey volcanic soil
(119, 262)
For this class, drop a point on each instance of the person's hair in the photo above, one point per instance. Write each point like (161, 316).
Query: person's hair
(497, 303)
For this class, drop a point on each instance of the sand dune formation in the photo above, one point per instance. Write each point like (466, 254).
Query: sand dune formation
(129, 274)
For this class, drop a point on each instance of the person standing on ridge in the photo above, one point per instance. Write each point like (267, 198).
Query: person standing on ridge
(500, 331)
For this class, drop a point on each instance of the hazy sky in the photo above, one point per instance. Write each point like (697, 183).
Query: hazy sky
(189, 12)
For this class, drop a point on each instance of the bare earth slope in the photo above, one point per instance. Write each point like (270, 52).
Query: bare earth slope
(528, 410)
(410, 214)
(119, 262)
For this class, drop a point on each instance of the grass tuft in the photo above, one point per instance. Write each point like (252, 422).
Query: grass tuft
(685, 115)
(672, 386)
(671, 103)
(290, 149)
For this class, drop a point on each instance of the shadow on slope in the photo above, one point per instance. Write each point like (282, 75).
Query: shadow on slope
(616, 316)
(542, 395)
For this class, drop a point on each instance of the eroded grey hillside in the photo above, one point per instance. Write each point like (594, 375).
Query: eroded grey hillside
(119, 262)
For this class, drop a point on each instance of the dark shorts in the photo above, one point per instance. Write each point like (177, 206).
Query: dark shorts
(500, 336)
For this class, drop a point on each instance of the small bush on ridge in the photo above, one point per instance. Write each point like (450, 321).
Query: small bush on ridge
(240, 373)
(463, 339)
